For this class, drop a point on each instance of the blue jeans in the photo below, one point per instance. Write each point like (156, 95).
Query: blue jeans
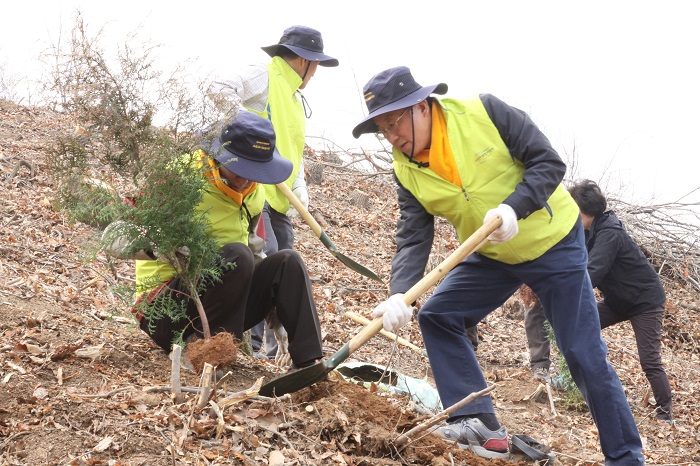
(478, 285)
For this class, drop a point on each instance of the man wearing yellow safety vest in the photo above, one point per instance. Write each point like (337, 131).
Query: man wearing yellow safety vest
(467, 161)
(272, 91)
(237, 163)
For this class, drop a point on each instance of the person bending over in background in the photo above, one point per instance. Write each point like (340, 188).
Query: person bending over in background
(630, 286)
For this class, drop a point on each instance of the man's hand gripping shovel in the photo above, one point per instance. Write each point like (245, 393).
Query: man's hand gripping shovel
(307, 376)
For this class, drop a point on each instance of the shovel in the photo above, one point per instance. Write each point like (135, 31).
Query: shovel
(302, 378)
(311, 221)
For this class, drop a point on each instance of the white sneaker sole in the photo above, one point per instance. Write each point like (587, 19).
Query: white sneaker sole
(483, 452)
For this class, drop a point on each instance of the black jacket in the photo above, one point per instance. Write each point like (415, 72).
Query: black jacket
(619, 269)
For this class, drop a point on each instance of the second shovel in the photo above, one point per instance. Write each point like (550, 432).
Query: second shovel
(311, 221)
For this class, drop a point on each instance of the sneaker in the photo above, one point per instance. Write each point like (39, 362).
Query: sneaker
(542, 374)
(471, 434)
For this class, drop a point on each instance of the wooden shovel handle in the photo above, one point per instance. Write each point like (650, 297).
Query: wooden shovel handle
(474, 242)
(305, 214)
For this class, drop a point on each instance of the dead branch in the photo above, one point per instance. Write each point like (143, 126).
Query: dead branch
(668, 235)
(402, 439)
(551, 400)
(206, 383)
(186, 389)
(20, 164)
(102, 395)
(391, 336)
(175, 373)
(534, 395)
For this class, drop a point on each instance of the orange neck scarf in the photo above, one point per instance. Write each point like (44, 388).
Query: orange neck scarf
(215, 178)
(439, 155)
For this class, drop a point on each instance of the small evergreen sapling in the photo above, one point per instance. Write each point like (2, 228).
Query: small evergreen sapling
(164, 219)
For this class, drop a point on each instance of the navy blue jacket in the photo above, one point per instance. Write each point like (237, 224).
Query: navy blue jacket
(619, 269)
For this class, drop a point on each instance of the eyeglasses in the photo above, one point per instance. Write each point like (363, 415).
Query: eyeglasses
(391, 129)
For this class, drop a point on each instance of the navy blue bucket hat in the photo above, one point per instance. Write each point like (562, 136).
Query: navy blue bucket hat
(390, 90)
(305, 42)
(246, 146)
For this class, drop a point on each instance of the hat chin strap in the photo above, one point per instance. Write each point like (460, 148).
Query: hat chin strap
(413, 145)
(306, 71)
(304, 102)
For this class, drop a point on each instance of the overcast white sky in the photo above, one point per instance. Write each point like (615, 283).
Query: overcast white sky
(618, 81)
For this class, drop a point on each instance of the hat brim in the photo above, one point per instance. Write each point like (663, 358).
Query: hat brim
(321, 58)
(274, 171)
(367, 125)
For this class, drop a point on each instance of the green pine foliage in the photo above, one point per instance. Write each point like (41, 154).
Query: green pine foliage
(162, 307)
(114, 99)
(166, 220)
(83, 199)
(572, 399)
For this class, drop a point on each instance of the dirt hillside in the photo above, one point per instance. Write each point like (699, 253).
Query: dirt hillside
(80, 384)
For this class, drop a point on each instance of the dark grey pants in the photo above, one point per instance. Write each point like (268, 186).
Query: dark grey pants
(473, 336)
(647, 332)
(537, 340)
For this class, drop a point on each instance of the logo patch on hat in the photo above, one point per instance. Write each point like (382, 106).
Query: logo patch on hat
(264, 145)
(369, 96)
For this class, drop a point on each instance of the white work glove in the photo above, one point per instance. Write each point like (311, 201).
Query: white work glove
(395, 313)
(300, 191)
(509, 227)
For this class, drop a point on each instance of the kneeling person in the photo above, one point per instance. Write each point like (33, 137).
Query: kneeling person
(236, 164)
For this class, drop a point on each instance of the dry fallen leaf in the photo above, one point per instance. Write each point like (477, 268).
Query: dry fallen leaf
(276, 458)
(103, 445)
(90, 352)
(40, 393)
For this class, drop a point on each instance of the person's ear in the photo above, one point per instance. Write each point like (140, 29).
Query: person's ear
(304, 62)
(424, 107)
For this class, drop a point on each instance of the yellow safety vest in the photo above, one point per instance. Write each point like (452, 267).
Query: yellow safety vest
(285, 111)
(489, 175)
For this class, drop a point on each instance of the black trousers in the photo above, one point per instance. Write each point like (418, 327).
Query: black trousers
(245, 295)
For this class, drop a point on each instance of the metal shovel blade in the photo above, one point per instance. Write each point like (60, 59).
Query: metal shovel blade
(290, 383)
(311, 221)
(307, 376)
(346, 260)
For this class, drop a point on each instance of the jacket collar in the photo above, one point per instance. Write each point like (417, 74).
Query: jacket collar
(287, 73)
